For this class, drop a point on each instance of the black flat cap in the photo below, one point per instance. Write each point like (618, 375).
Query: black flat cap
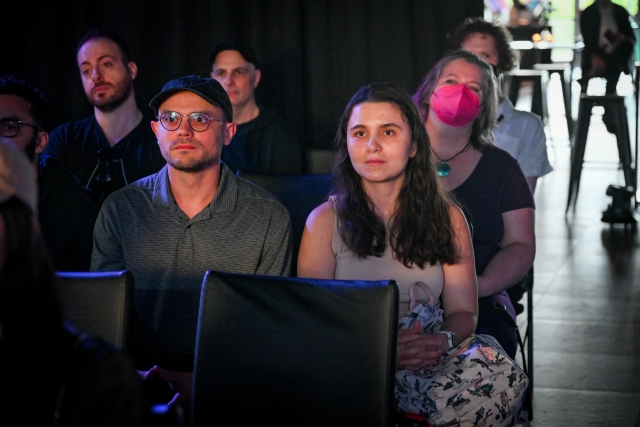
(208, 89)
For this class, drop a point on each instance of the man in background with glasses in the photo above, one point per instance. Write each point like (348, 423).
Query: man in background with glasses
(263, 142)
(66, 211)
(192, 216)
(114, 146)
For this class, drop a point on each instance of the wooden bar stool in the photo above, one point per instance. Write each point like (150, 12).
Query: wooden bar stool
(616, 104)
(539, 79)
(564, 71)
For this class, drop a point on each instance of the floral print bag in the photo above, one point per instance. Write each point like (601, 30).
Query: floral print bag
(473, 384)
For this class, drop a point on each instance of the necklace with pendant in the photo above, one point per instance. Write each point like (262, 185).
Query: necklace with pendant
(442, 166)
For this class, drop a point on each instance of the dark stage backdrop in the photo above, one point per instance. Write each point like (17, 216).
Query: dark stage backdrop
(313, 54)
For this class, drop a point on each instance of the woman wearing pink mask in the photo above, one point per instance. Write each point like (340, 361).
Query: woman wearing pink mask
(457, 101)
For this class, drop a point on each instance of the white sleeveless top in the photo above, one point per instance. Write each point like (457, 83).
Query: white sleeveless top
(350, 267)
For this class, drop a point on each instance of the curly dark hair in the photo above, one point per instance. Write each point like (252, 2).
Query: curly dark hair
(481, 136)
(420, 232)
(14, 84)
(507, 57)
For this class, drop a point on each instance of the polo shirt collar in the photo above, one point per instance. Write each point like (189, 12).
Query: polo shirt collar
(225, 200)
(505, 108)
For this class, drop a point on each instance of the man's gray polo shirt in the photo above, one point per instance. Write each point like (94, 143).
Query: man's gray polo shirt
(140, 228)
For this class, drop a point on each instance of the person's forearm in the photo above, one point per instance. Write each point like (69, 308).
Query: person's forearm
(508, 266)
(462, 324)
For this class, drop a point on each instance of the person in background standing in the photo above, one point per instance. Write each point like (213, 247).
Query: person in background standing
(608, 48)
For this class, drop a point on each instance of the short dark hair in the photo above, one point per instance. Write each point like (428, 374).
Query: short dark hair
(507, 57)
(13, 84)
(97, 33)
(238, 45)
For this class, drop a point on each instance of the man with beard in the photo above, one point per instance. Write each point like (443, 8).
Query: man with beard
(114, 146)
(66, 211)
(192, 216)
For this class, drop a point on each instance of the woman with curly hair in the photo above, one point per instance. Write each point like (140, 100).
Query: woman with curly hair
(389, 217)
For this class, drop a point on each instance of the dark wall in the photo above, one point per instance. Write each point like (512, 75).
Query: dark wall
(313, 54)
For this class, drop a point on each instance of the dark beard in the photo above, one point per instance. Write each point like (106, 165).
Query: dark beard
(116, 102)
(195, 167)
(198, 167)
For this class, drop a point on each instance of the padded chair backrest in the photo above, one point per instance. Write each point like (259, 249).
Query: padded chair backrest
(300, 194)
(320, 160)
(99, 303)
(293, 351)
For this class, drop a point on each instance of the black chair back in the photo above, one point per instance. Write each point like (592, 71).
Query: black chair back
(99, 303)
(300, 194)
(294, 351)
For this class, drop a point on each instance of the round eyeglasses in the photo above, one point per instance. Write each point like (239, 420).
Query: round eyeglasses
(199, 122)
(10, 128)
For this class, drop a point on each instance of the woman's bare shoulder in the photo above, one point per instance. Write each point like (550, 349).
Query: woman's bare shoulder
(456, 214)
(322, 216)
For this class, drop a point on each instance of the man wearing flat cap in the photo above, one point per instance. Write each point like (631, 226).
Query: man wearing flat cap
(192, 216)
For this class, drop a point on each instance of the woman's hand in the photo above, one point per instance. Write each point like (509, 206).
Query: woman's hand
(417, 349)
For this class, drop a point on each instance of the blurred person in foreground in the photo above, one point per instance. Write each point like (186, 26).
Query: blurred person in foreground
(78, 380)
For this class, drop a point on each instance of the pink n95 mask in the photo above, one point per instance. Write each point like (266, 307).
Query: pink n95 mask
(455, 105)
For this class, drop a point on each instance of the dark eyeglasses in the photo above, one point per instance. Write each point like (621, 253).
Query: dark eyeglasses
(10, 128)
(199, 122)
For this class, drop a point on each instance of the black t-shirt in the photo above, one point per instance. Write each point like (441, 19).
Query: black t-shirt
(82, 148)
(67, 214)
(265, 144)
(496, 185)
